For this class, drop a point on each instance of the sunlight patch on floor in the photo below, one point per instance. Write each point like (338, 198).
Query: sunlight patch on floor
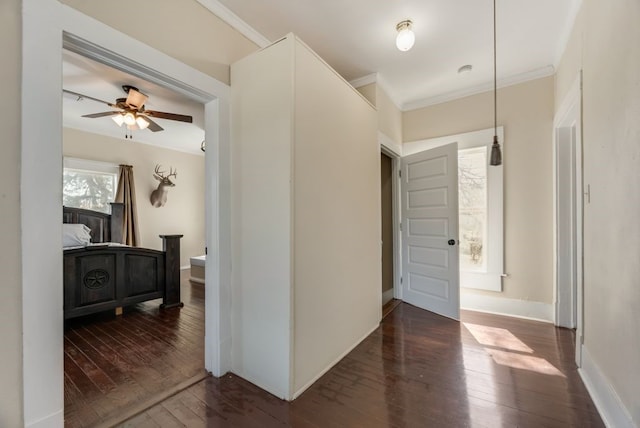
(524, 362)
(507, 350)
(497, 337)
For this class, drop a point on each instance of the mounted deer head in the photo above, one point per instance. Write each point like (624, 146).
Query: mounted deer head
(159, 196)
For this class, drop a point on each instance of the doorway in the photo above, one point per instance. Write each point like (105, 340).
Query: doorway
(568, 215)
(386, 206)
(48, 25)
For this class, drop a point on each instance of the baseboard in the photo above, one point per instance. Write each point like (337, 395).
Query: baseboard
(185, 267)
(387, 296)
(611, 409)
(54, 420)
(333, 363)
(196, 280)
(536, 311)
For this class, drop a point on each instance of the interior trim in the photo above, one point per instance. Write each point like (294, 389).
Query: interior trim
(222, 12)
(611, 409)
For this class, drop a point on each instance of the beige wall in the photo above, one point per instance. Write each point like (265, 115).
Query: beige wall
(182, 29)
(389, 115)
(369, 92)
(10, 251)
(337, 285)
(610, 54)
(184, 210)
(526, 112)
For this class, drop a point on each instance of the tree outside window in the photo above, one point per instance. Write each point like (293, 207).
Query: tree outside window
(472, 205)
(89, 184)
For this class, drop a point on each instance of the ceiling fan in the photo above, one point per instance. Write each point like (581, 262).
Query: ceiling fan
(131, 111)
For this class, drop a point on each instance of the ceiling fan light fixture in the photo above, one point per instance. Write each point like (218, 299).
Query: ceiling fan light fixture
(405, 38)
(118, 119)
(142, 122)
(129, 118)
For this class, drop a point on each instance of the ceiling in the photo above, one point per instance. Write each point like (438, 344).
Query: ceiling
(357, 38)
(88, 77)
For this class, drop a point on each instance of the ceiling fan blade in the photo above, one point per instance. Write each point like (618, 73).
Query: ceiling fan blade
(103, 114)
(169, 116)
(136, 99)
(80, 96)
(153, 126)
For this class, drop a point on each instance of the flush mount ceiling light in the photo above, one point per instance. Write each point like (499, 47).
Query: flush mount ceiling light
(405, 38)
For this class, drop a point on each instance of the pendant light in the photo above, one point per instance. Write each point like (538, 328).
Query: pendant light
(496, 154)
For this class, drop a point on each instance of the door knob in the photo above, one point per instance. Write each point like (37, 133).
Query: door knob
(451, 242)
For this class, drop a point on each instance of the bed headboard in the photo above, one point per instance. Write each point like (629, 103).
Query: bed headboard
(104, 227)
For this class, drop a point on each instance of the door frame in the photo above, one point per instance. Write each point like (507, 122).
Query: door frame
(394, 151)
(569, 311)
(47, 25)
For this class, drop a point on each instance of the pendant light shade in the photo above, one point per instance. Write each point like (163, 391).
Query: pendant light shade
(119, 119)
(142, 122)
(129, 118)
(496, 153)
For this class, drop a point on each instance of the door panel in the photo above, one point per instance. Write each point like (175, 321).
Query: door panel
(430, 218)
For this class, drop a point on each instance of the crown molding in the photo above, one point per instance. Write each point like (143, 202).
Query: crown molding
(485, 87)
(222, 12)
(364, 80)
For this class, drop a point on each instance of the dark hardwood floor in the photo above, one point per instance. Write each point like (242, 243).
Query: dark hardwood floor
(416, 370)
(115, 364)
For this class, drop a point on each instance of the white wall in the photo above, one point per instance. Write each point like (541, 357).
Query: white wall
(337, 275)
(306, 218)
(10, 251)
(184, 211)
(604, 43)
(526, 112)
(262, 113)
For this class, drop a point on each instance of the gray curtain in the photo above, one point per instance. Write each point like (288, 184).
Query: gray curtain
(126, 195)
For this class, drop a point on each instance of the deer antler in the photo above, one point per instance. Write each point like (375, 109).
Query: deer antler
(160, 175)
(158, 172)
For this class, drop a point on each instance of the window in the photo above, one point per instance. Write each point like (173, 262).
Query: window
(89, 184)
(480, 206)
(472, 208)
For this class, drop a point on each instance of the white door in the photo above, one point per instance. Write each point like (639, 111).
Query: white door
(430, 260)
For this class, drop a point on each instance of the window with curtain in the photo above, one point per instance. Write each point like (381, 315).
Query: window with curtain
(89, 184)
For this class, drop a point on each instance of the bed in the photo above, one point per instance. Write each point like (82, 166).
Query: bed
(106, 275)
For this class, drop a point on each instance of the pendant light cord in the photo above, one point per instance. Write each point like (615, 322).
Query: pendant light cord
(495, 79)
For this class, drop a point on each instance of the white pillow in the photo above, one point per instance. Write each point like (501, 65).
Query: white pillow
(75, 234)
